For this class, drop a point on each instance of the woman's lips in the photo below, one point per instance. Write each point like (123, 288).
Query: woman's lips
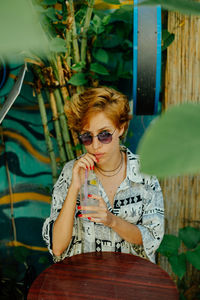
(98, 155)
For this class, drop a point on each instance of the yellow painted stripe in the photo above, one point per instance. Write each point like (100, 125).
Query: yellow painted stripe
(99, 4)
(23, 141)
(17, 197)
(18, 244)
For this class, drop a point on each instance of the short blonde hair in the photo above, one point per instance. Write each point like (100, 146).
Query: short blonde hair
(114, 104)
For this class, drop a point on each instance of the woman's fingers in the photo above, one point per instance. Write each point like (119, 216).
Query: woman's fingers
(101, 200)
(98, 214)
(101, 207)
(92, 215)
(101, 216)
(81, 164)
(87, 161)
(93, 157)
(84, 162)
(89, 208)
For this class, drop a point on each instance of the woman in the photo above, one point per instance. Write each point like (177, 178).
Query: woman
(130, 215)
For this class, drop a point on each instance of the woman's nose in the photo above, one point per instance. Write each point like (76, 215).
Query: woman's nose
(96, 143)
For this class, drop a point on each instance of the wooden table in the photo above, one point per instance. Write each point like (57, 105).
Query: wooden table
(105, 275)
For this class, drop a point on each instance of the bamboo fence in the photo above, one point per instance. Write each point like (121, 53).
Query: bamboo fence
(182, 84)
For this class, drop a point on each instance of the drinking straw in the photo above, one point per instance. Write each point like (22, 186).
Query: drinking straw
(86, 186)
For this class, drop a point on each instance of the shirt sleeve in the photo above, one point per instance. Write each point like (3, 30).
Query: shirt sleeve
(59, 194)
(151, 224)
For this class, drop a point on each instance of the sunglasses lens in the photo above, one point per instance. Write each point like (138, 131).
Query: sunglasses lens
(105, 137)
(85, 139)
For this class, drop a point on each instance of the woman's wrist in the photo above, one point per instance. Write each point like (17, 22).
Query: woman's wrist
(74, 188)
(113, 221)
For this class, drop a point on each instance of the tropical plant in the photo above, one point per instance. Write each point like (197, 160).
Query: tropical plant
(88, 47)
(180, 251)
(18, 272)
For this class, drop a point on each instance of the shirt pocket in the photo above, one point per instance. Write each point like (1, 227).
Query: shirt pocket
(132, 212)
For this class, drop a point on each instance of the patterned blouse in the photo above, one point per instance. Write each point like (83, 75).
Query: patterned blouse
(138, 200)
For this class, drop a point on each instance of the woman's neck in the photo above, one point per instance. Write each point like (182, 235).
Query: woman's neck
(113, 163)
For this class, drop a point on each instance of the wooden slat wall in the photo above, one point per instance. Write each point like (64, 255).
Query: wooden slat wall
(183, 63)
(182, 84)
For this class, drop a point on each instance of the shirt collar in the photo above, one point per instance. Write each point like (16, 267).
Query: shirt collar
(133, 167)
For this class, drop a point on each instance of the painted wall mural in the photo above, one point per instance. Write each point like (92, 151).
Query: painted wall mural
(25, 176)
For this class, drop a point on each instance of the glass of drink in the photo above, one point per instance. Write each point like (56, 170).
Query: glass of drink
(90, 187)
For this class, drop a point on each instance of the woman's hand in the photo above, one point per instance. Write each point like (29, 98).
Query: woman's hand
(78, 174)
(99, 214)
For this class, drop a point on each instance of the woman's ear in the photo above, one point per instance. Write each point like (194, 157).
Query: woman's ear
(121, 131)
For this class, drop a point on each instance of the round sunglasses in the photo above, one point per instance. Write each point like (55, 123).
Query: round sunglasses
(104, 137)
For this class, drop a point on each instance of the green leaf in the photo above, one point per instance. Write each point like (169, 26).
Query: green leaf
(78, 79)
(58, 45)
(123, 14)
(127, 44)
(188, 7)
(20, 28)
(111, 41)
(49, 2)
(99, 69)
(171, 144)
(167, 39)
(101, 55)
(51, 14)
(112, 1)
(194, 257)
(98, 26)
(190, 236)
(169, 245)
(178, 264)
(79, 66)
(106, 20)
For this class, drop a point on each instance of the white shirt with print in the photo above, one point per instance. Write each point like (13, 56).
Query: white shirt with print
(138, 200)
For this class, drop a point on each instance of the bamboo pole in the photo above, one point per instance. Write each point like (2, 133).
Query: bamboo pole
(52, 101)
(68, 36)
(65, 97)
(67, 71)
(61, 79)
(56, 71)
(68, 44)
(59, 139)
(76, 51)
(74, 33)
(47, 135)
(63, 124)
(85, 30)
